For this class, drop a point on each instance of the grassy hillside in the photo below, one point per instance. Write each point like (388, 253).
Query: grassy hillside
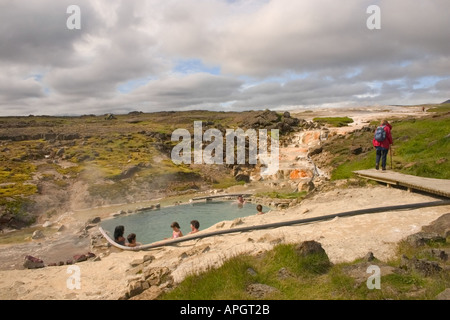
(312, 278)
(421, 147)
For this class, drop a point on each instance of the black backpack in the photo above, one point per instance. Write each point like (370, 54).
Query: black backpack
(380, 134)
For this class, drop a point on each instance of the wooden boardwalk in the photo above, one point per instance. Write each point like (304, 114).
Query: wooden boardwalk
(439, 187)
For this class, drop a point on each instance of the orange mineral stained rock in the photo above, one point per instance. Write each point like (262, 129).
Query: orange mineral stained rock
(298, 174)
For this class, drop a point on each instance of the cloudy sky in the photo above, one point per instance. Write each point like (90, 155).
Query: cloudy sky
(223, 55)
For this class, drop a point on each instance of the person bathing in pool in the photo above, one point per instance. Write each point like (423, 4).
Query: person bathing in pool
(240, 201)
(259, 208)
(132, 240)
(118, 235)
(194, 226)
(176, 233)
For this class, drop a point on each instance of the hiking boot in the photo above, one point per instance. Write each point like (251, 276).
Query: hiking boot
(377, 167)
(384, 169)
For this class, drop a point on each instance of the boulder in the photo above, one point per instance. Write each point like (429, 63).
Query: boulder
(313, 257)
(89, 226)
(424, 267)
(158, 275)
(47, 224)
(60, 152)
(309, 247)
(305, 185)
(314, 151)
(33, 263)
(243, 177)
(95, 220)
(356, 150)
(260, 291)
(441, 225)
(441, 254)
(129, 172)
(80, 257)
(37, 235)
(369, 257)
(90, 255)
(284, 273)
(422, 238)
(260, 119)
(135, 288)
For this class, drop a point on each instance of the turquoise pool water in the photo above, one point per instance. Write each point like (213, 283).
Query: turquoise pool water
(154, 225)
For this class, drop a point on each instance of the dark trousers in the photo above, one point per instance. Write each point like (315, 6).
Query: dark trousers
(381, 155)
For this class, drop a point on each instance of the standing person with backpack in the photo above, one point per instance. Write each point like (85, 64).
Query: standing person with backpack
(382, 141)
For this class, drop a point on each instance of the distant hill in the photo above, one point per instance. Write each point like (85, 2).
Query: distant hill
(448, 101)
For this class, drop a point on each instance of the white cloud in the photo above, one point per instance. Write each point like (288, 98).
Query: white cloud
(178, 54)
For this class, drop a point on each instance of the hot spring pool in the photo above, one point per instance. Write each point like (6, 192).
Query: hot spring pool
(154, 225)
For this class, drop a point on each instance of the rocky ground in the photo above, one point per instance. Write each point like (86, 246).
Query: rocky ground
(344, 240)
(111, 273)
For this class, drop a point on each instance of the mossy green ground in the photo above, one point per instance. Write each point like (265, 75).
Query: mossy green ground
(105, 149)
(308, 278)
(421, 148)
(334, 121)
